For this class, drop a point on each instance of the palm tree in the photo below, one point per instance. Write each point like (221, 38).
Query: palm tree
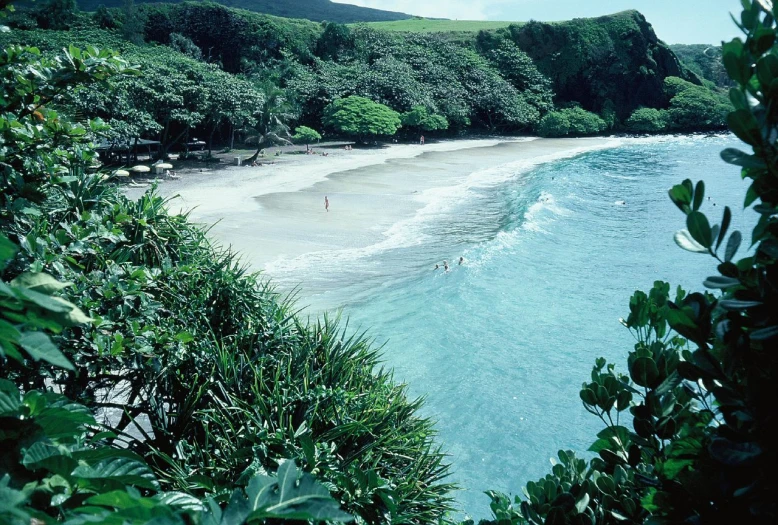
(269, 120)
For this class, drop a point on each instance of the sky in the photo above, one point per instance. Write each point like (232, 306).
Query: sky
(675, 21)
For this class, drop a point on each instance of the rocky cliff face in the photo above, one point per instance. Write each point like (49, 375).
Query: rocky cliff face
(592, 61)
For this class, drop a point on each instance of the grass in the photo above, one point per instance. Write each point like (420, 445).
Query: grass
(425, 25)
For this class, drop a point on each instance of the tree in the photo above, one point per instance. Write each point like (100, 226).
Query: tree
(420, 118)
(269, 120)
(306, 135)
(647, 120)
(36, 140)
(58, 14)
(573, 121)
(361, 117)
(694, 107)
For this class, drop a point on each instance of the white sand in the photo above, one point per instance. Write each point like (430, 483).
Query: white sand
(274, 215)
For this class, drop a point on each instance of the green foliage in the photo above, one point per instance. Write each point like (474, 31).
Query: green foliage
(361, 117)
(306, 135)
(168, 310)
(574, 122)
(647, 120)
(694, 107)
(705, 61)
(700, 443)
(39, 146)
(616, 58)
(419, 117)
(318, 10)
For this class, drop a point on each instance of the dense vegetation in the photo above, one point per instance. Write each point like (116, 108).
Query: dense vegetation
(316, 10)
(145, 375)
(504, 80)
(201, 377)
(704, 61)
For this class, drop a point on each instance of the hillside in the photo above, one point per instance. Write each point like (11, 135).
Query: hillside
(705, 61)
(316, 10)
(429, 25)
(616, 58)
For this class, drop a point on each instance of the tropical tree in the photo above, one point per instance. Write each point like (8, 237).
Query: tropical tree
(269, 120)
(361, 117)
(306, 135)
(420, 118)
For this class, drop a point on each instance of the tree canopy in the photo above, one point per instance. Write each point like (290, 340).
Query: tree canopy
(361, 117)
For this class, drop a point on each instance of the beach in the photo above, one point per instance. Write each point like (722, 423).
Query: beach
(275, 217)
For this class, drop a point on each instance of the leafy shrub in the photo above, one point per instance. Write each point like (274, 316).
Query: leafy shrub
(361, 117)
(306, 135)
(694, 107)
(573, 121)
(191, 362)
(554, 124)
(647, 120)
(420, 118)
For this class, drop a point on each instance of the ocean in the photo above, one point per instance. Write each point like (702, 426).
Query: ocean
(500, 345)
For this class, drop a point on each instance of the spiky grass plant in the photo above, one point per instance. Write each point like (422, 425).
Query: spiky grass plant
(206, 370)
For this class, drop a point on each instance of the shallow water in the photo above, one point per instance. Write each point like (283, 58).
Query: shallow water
(500, 345)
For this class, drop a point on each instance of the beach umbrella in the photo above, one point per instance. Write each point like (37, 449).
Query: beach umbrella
(140, 169)
(165, 166)
(121, 173)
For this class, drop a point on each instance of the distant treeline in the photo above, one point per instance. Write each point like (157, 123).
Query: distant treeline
(207, 70)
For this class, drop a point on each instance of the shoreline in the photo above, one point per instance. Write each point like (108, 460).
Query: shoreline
(274, 215)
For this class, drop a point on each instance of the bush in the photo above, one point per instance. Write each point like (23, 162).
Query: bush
(420, 118)
(647, 120)
(361, 117)
(554, 124)
(694, 107)
(570, 122)
(306, 135)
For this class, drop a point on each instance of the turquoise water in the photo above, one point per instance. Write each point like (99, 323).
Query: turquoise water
(500, 345)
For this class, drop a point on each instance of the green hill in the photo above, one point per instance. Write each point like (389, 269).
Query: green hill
(429, 25)
(316, 10)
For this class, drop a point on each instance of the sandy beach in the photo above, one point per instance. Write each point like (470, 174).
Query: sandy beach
(275, 216)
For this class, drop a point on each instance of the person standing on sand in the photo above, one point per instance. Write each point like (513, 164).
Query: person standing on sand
(421, 140)
(326, 203)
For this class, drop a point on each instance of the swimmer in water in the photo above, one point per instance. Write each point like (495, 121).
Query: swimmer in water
(437, 266)
(461, 260)
(445, 266)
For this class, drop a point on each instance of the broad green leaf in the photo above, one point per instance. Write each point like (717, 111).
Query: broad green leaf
(732, 245)
(681, 197)
(644, 372)
(42, 455)
(39, 347)
(122, 470)
(286, 497)
(763, 334)
(699, 194)
(725, 221)
(744, 125)
(720, 282)
(7, 250)
(699, 228)
(10, 398)
(739, 158)
(39, 282)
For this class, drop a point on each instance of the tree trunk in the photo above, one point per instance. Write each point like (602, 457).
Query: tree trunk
(256, 153)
